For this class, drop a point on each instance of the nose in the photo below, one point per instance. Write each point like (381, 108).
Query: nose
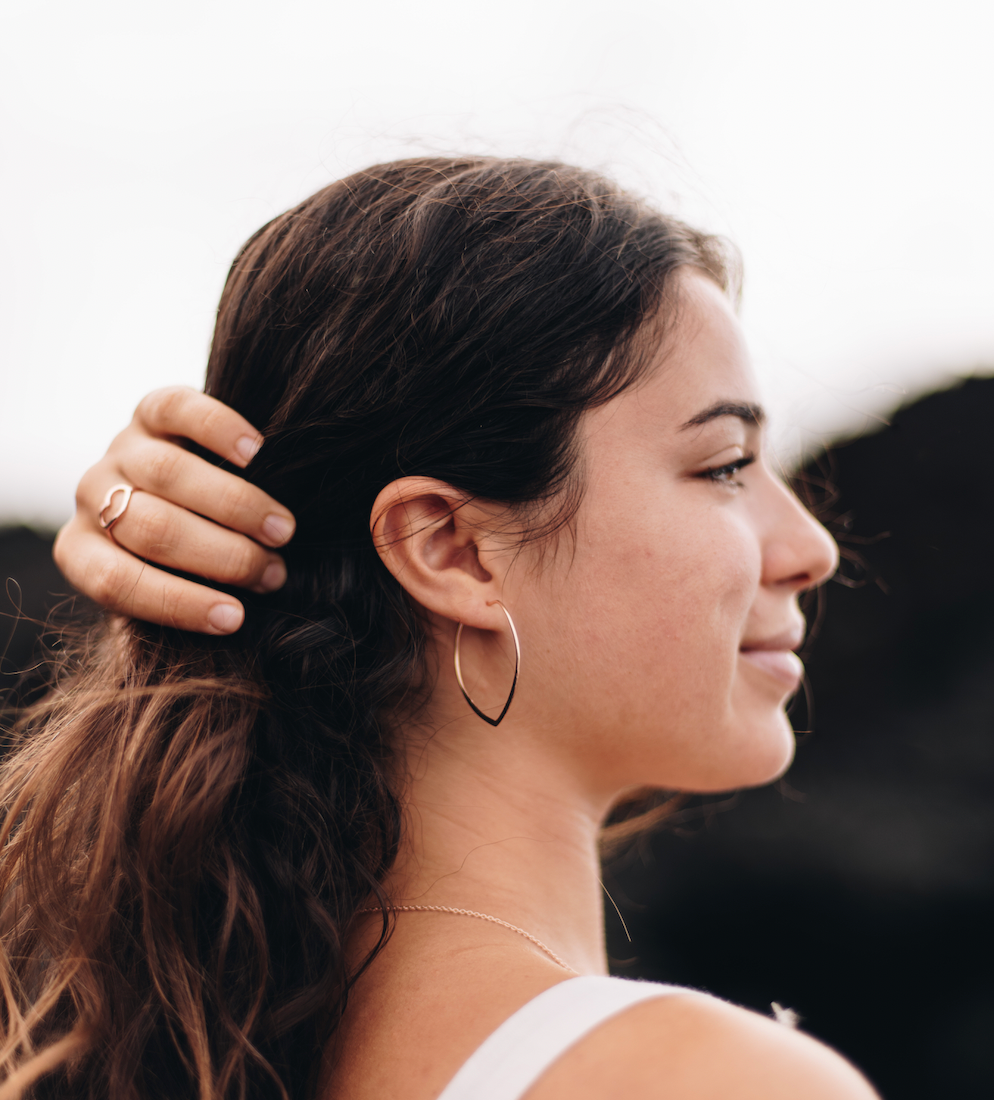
(799, 553)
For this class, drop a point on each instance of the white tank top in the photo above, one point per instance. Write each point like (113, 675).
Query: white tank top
(513, 1058)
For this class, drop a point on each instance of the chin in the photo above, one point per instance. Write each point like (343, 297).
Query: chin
(773, 755)
(758, 752)
(764, 741)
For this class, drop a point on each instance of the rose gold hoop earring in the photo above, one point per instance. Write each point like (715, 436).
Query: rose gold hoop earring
(517, 662)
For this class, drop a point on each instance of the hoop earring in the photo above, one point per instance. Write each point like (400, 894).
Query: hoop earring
(517, 662)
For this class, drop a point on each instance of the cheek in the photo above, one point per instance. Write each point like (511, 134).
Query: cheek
(646, 667)
(631, 648)
(685, 578)
(657, 613)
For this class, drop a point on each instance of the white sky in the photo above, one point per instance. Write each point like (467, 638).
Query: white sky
(848, 149)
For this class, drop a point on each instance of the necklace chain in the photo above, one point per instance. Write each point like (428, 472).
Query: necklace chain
(480, 916)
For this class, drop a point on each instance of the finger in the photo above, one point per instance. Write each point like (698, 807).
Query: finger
(186, 412)
(114, 578)
(161, 532)
(190, 482)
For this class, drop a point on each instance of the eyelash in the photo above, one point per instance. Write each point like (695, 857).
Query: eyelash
(721, 475)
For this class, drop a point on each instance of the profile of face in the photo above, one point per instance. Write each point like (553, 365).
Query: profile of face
(670, 631)
(656, 641)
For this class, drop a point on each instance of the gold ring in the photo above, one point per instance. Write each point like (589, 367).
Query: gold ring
(108, 521)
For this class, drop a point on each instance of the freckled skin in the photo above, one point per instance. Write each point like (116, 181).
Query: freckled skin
(671, 573)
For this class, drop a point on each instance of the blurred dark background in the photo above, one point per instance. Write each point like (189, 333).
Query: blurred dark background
(859, 891)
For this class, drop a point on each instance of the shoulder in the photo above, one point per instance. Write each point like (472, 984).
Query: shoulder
(690, 1045)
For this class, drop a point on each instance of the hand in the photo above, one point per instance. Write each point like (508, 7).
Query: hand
(185, 514)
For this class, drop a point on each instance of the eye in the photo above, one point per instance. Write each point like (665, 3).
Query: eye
(725, 475)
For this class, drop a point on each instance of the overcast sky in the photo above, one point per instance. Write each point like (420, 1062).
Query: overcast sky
(846, 148)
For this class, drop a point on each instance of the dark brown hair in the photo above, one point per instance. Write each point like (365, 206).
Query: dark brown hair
(190, 823)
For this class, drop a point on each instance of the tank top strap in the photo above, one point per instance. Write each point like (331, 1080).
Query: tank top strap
(513, 1057)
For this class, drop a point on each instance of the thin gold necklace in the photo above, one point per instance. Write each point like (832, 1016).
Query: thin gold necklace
(480, 916)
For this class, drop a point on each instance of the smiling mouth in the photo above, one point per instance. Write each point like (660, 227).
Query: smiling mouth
(776, 657)
(781, 664)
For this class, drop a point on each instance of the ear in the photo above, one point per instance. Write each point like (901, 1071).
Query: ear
(439, 545)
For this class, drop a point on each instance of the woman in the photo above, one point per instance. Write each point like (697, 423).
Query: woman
(540, 564)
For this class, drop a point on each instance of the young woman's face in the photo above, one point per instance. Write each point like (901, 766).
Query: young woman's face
(660, 651)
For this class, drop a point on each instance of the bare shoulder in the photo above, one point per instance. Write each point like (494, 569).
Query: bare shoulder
(690, 1046)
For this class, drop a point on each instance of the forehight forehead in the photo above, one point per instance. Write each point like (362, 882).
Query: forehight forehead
(701, 371)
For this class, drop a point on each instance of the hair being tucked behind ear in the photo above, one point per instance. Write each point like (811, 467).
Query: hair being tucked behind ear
(191, 823)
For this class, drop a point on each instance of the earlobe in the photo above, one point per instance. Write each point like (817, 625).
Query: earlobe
(428, 535)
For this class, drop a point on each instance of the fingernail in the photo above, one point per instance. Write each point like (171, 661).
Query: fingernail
(223, 618)
(274, 576)
(278, 528)
(248, 446)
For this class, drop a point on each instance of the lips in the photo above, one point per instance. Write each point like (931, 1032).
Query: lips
(775, 656)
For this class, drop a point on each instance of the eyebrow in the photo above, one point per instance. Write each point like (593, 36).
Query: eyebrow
(746, 411)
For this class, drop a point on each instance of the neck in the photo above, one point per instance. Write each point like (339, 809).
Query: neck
(494, 826)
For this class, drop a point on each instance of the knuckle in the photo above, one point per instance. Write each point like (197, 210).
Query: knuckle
(214, 421)
(73, 552)
(242, 562)
(233, 502)
(174, 605)
(105, 583)
(163, 407)
(148, 408)
(239, 503)
(159, 466)
(147, 527)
